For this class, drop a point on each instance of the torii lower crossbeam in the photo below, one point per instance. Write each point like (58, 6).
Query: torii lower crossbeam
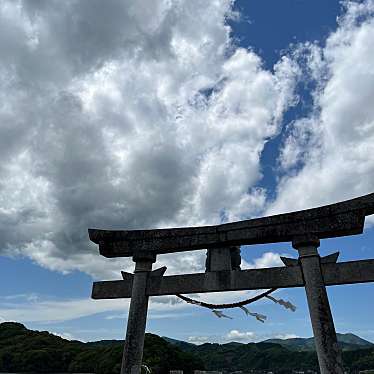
(279, 277)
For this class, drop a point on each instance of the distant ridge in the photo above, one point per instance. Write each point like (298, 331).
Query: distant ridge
(348, 342)
(184, 346)
(105, 343)
(277, 355)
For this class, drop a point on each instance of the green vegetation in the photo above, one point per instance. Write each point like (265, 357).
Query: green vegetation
(23, 350)
(347, 342)
(255, 356)
(278, 358)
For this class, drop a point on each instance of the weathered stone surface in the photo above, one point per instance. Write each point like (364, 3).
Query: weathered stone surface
(236, 259)
(344, 218)
(133, 350)
(328, 351)
(281, 277)
(304, 228)
(289, 261)
(218, 259)
(333, 257)
(349, 272)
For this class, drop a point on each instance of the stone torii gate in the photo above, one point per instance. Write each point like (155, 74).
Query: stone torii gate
(303, 228)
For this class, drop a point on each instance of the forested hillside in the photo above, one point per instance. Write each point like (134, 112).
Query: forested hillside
(23, 350)
(347, 342)
(276, 357)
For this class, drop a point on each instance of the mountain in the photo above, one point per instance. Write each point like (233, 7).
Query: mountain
(355, 340)
(271, 356)
(347, 342)
(184, 346)
(23, 350)
(105, 343)
(255, 356)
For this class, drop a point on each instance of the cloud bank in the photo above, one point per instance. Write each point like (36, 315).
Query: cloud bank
(149, 115)
(327, 156)
(238, 336)
(127, 116)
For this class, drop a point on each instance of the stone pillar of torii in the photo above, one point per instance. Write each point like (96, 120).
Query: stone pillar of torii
(303, 229)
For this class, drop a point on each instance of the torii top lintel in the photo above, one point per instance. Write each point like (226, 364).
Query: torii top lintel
(329, 221)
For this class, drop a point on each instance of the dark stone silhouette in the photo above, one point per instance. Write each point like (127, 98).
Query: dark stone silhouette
(303, 228)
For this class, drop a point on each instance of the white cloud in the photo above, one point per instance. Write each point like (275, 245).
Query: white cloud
(64, 335)
(61, 310)
(267, 260)
(239, 337)
(328, 155)
(32, 307)
(200, 339)
(157, 119)
(48, 310)
(151, 316)
(286, 336)
(127, 116)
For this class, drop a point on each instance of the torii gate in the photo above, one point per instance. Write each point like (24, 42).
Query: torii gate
(303, 228)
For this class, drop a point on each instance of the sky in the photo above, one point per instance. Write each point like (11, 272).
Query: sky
(135, 115)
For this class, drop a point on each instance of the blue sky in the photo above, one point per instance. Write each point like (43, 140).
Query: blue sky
(175, 114)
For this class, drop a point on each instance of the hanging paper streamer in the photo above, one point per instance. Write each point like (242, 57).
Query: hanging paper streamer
(282, 302)
(219, 314)
(259, 317)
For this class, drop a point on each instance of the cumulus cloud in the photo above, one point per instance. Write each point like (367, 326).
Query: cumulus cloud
(118, 115)
(286, 336)
(145, 115)
(238, 336)
(220, 339)
(327, 156)
(267, 260)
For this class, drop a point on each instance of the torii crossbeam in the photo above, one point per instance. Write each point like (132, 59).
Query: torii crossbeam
(303, 228)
